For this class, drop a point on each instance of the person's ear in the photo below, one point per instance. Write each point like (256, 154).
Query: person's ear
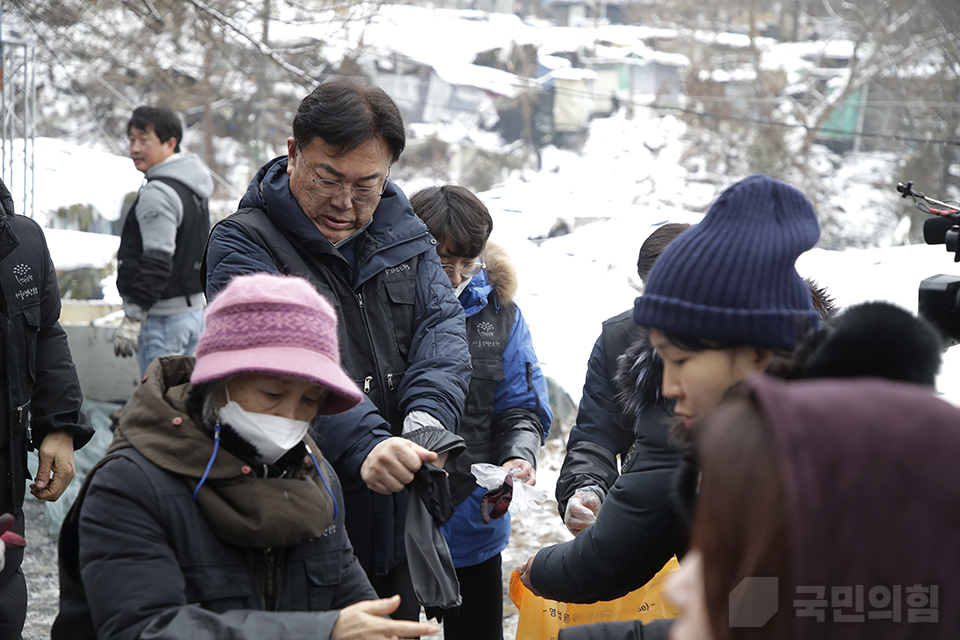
(763, 358)
(291, 154)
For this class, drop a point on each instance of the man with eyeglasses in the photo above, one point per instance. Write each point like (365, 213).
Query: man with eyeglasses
(327, 211)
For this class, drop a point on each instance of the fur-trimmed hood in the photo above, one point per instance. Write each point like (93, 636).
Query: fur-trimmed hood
(876, 339)
(498, 278)
(638, 379)
(501, 274)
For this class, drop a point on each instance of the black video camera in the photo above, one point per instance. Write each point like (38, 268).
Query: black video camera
(939, 301)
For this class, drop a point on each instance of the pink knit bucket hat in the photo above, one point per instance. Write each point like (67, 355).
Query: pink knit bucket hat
(280, 325)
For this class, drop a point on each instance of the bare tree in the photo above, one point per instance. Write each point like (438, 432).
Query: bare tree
(215, 61)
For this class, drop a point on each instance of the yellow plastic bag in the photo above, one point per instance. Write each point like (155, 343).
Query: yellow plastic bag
(542, 619)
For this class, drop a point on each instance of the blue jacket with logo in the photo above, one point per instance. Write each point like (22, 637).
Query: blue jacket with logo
(507, 414)
(401, 332)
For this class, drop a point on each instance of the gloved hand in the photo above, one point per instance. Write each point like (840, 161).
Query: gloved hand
(127, 338)
(495, 502)
(582, 509)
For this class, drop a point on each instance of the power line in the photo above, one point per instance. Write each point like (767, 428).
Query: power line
(771, 123)
(827, 130)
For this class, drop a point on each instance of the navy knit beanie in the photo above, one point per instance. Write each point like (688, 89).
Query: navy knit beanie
(731, 279)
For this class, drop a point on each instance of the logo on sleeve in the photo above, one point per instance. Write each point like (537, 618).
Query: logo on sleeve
(22, 273)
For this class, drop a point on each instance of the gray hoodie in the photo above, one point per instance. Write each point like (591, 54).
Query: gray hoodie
(159, 213)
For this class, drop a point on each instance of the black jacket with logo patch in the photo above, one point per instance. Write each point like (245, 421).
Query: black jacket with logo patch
(41, 393)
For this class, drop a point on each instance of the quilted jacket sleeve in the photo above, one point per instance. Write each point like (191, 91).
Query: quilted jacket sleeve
(439, 369)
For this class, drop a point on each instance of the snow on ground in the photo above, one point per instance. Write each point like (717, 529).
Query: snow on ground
(77, 250)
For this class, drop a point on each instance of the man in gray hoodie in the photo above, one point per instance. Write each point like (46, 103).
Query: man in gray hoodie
(162, 243)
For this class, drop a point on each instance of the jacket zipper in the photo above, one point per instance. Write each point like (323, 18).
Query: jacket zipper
(366, 330)
(269, 583)
(20, 411)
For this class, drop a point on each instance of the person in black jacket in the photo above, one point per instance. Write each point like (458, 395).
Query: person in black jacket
(615, 406)
(213, 514)
(766, 320)
(814, 485)
(40, 406)
(728, 289)
(328, 212)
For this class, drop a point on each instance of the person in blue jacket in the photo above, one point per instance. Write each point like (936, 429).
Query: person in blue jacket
(328, 212)
(507, 414)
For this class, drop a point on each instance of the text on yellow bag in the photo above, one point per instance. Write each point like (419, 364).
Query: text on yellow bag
(542, 619)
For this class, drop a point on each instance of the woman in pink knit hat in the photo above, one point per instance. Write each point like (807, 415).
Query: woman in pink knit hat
(213, 513)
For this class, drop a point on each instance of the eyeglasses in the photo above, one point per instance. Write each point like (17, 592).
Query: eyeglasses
(466, 271)
(330, 188)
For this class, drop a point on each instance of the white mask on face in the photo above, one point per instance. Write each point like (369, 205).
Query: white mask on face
(273, 436)
(457, 290)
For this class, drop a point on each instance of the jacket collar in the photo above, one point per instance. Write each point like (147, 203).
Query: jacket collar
(242, 509)
(8, 239)
(393, 223)
(477, 294)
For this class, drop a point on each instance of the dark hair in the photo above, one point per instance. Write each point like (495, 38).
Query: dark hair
(347, 113)
(741, 523)
(454, 215)
(876, 339)
(654, 245)
(164, 122)
(691, 343)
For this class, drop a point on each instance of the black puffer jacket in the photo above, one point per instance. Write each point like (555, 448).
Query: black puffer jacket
(41, 393)
(141, 557)
(620, 409)
(638, 505)
(645, 516)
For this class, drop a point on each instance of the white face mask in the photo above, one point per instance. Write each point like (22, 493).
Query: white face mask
(457, 290)
(273, 436)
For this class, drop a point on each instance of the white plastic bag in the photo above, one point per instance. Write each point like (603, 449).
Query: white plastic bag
(525, 498)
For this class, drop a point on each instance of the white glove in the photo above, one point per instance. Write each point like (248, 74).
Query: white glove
(127, 338)
(582, 509)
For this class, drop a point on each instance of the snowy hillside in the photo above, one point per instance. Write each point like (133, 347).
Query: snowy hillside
(630, 175)
(625, 182)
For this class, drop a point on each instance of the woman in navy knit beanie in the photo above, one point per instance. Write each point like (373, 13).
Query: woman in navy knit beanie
(723, 302)
(725, 297)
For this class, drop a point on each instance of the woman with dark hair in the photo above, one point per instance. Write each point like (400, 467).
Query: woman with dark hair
(826, 510)
(719, 303)
(722, 304)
